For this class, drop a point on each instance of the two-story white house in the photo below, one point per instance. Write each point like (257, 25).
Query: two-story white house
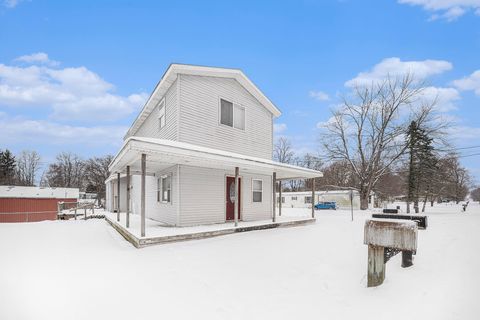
(200, 129)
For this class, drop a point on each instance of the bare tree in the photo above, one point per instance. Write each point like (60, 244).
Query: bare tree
(475, 194)
(67, 171)
(456, 178)
(337, 174)
(282, 150)
(28, 164)
(368, 130)
(96, 172)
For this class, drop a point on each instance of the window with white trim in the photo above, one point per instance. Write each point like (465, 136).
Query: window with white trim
(257, 190)
(161, 114)
(308, 199)
(166, 188)
(232, 115)
(294, 198)
(158, 190)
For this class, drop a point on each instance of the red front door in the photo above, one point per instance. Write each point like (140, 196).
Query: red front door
(230, 197)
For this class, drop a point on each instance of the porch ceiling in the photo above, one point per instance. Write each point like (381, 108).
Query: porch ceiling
(162, 154)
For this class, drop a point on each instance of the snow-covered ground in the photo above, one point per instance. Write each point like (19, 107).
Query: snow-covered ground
(86, 270)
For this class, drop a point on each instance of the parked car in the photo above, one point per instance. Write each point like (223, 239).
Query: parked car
(326, 205)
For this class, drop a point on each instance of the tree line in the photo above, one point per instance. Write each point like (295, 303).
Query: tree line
(389, 139)
(69, 170)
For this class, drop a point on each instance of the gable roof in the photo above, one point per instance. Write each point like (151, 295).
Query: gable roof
(171, 75)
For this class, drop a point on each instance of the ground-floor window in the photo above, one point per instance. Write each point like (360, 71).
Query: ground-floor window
(308, 199)
(166, 188)
(257, 190)
(294, 198)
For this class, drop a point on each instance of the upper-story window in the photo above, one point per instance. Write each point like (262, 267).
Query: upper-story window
(232, 115)
(161, 114)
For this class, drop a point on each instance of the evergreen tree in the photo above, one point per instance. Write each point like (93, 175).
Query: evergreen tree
(7, 168)
(422, 165)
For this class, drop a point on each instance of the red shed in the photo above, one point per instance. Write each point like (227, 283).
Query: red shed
(29, 204)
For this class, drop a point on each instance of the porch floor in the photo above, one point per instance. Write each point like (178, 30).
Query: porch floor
(158, 233)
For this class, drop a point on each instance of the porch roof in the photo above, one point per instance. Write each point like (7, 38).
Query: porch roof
(162, 154)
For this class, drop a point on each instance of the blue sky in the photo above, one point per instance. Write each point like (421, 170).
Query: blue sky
(73, 75)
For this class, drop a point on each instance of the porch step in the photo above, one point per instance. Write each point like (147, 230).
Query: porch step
(140, 242)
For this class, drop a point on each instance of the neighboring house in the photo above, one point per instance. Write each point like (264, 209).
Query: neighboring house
(28, 204)
(88, 197)
(341, 197)
(197, 127)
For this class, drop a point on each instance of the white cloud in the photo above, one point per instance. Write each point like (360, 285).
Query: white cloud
(323, 124)
(472, 82)
(18, 130)
(279, 127)
(72, 93)
(445, 97)
(463, 133)
(319, 95)
(11, 3)
(446, 9)
(39, 57)
(394, 67)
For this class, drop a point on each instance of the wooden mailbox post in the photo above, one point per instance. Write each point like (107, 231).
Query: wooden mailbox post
(384, 234)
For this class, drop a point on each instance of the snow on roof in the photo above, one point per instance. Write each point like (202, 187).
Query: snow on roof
(38, 192)
(171, 74)
(317, 192)
(175, 152)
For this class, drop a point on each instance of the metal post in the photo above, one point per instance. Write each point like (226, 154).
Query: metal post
(75, 212)
(274, 194)
(237, 198)
(118, 196)
(128, 198)
(279, 198)
(85, 212)
(142, 196)
(313, 197)
(351, 202)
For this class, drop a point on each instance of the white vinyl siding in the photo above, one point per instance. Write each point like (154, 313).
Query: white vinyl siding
(161, 114)
(200, 117)
(159, 211)
(151, 127)
(202, 194)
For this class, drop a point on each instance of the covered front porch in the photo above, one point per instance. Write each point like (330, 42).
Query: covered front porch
(159, 233)
(202, 186)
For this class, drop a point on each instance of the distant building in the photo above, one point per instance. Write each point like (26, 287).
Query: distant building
(29, 204)
(304, 199)
(88, 197)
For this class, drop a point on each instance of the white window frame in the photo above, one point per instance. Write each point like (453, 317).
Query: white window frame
(161, 114)
(308, 197)
(253, 191)
(163, 191)
(294, 198)
(234, 105)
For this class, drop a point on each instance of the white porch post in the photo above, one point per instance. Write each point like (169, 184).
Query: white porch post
(112, 192)
(127, 217)
(279, 198)
(118, 196)
(313, 197)
(142, 195)
(274, 195)
(237, 198)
